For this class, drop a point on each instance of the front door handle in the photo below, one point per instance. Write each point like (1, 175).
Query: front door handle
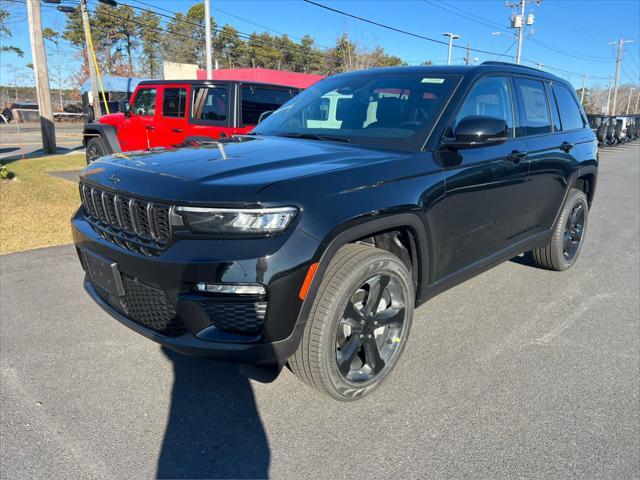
(517, 155)
(149, 127)
(566, 146)
(177, 130)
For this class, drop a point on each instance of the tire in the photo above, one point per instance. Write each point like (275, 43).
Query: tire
(347, 283)
(96, 148)
(558, 255)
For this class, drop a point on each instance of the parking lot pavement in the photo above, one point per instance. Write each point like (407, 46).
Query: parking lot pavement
(519, 372)
(24, 140)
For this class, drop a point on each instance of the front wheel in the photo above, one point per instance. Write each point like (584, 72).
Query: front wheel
(96, 148)
(568, 235)
(358, 325)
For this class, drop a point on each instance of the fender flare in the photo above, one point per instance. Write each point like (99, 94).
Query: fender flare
(589, 169)
(365, 227)
(107, 132)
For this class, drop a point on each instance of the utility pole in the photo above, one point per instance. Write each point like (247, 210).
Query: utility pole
(635, 110)
(467, 58)
(451, 37)
(620, 43)
(520, 21)
(540, 65)
(207, 38)
(629, 100)
(584, 79)
(42, 77)
(606, 112)
(93, 72)
(521, 32)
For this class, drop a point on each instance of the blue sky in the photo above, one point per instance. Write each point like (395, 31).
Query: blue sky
(571, 35)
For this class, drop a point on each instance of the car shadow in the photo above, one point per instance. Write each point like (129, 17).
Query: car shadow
(525, 259)
(213, 429)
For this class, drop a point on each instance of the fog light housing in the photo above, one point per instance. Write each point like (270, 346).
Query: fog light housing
(231, 288)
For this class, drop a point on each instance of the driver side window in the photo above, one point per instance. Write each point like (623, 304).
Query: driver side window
(489, 97)
(145, 102)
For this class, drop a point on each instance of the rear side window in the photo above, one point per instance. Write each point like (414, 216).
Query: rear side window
(257, 100)
(489, 97)
(174, 102)
(145, 102)
(534, 110)
(210, 103)
(570, 115)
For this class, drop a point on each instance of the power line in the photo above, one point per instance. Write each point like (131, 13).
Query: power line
(242, 35)
(493, 25)
(415, 35)
(394, 29)
(173, 14)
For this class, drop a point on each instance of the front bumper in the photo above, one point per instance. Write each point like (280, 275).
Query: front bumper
(178, 318)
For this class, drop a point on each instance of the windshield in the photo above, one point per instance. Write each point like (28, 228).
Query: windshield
(386, 110)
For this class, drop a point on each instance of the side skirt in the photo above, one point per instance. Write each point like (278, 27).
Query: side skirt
(536, 241)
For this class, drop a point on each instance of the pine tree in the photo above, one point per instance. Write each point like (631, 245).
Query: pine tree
(148, 24)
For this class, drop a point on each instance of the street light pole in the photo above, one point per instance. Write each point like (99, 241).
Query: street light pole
(451, 37)
(584, 79)
(629, 100)
(207, 38)
(606, 112)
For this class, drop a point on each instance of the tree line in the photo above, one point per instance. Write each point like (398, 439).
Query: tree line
(135, 43)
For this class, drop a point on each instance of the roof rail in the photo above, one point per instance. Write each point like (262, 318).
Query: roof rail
(495, 62)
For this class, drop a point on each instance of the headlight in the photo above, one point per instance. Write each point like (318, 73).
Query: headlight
(237, 221)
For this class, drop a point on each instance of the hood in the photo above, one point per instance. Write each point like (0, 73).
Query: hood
(112, 119)
(203, 174)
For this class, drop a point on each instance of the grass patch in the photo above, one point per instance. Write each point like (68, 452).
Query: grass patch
(35, 208)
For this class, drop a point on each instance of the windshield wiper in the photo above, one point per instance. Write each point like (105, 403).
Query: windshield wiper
(315, 136)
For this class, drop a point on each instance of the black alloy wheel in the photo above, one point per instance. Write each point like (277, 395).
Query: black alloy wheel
(369, 333)
(568, 234)
(573, 231)
(358, 325)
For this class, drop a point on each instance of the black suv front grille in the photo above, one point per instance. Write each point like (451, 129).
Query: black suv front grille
(134, 224)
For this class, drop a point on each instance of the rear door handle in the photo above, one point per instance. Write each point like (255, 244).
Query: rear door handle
(566, 146)
(177, 130)
(517, 155)
(149, 127)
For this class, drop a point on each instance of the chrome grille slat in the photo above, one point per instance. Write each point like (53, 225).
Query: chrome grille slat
(152, 223)
(115, 207)
(137, 225)
(134, 218)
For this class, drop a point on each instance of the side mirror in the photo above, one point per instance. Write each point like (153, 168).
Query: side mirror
(125, 107)
(477, 131)
(264, 115)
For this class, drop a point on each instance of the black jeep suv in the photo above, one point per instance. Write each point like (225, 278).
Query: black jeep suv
(311, 240)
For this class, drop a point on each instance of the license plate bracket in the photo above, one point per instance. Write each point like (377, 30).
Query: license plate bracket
(104, 272)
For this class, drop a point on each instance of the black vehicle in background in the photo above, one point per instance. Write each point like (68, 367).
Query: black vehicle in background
(312, 239)
(598, 124)
(610, 136)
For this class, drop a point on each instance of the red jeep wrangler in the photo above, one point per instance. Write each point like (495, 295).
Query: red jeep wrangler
(176, 112)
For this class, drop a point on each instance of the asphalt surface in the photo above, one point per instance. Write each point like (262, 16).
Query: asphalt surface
(25, 140)
(519, 373)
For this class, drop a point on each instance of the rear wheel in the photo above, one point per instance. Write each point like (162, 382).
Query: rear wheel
(568, 235)
(96, 148)
(358, 325)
